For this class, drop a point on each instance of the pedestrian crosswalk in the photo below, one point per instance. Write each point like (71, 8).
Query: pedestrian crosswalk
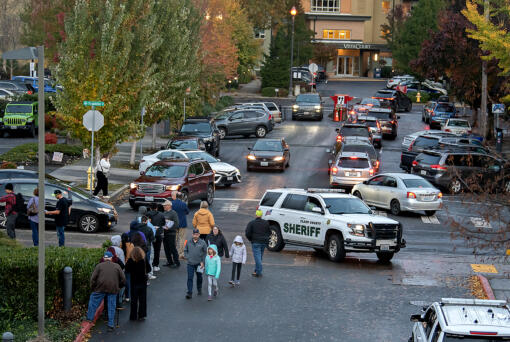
(430, 219)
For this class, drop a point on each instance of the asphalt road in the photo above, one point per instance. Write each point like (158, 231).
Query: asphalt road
(303, 296)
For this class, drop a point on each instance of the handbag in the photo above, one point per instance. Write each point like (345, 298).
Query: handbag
(32, 209)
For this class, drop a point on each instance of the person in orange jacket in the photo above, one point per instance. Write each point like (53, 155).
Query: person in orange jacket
(203, 220)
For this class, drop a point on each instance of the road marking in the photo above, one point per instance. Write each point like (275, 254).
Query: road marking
(381, 213)
(484, 268)
(237, 199)
(230, 208)
(430, 219)
(480, 222)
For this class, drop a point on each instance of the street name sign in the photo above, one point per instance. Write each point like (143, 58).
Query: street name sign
(93, 103)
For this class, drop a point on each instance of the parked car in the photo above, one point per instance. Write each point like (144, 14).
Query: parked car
(88, 213)
(307, 106)
(400, 192)
(408, 139)
(268, 154)
(206, 130)
(436, 113)
(160, 155)
(193, 178)
(457, 126)
(20, 117)
(456, 170)
(224, 173)
(17, 87)
(349, 169)
(244, 122)
(6, 94)
(274, 110)
(6, 174)
(375, 128)
(388, 120)
(49, 86)
(396, 80)
(186, 143)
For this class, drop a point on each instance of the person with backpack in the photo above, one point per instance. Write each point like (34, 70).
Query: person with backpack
(10, 211)
(61, 214)
(33, 216)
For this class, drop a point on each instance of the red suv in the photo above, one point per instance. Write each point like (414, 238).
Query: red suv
(194, 179)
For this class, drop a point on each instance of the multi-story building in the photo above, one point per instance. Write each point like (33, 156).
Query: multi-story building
(353, 27)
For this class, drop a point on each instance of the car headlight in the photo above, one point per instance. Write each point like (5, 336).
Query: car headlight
(173, 187)
(317, 107)
(356, 229)
(133, 186)
(295, 107)
(251, 157)
(237, 171)
(105, 210)
(279, 158)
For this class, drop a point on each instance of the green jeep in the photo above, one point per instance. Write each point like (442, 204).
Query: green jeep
(20, 116)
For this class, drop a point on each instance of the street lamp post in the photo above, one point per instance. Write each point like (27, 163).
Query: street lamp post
(293, 13)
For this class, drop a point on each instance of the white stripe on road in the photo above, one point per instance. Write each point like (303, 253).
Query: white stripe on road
(236, 199)
(480, 222)
(230, 208)
(430, 219)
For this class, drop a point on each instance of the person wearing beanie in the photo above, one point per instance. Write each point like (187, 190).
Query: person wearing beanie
(105, 282)
(258, 233)
(10, 214)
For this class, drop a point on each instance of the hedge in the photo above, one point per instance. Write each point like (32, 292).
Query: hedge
(28, 152)
(18, 276)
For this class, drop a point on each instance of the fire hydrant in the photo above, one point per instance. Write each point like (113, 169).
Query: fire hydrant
(418, 97)
(90, 178)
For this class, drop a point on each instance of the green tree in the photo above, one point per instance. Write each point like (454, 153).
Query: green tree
(407, 41)
(107, 56)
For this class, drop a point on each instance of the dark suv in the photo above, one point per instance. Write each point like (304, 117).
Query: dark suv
(388, 120)
(194, 179)
(307, 106)
(457, 170)
(205, 129)
(360, 131)
(394, 99)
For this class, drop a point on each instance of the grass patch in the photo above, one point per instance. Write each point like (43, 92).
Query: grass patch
(5, 241)
(111, 187)
(28, 152)
(24, 330)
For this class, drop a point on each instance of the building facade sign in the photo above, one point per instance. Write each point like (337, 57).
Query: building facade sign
(356, 46)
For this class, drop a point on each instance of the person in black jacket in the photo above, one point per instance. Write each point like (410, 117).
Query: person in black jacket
(158, 221)
(138, 266)
(258, 232)
(215, 237)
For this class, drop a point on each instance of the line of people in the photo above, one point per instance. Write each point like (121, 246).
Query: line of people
(136, 255)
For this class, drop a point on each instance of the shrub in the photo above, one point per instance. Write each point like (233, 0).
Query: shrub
(18, 294)
(270, 92)
(28, 152)
(425, 97)
(50, 138)
(8, 165)
(386, 72)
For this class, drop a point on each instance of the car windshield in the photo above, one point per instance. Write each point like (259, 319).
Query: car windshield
(354, 131)
(183, 145)
(385, 95)
(360, 148)
(18, 109)
(196, 127)
(368, 123)
(167, 171)
(370, 101)
(308, 98)
(271, 106)
(380, 115)
(458, 123)
(265, 145)
(353, 163)
(346, 206)
(417, 183)
(460, 338)
(425, 142)
(429, 159)
(202, 155)
(444, 107)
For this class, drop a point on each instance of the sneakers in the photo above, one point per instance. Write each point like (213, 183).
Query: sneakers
(111, 329)
(152, 276)
(238, 283)
(156, 269)
(199, 293)
(231, 282)
(215, 293)
(209, 298)
(126, 300)
(188, 295)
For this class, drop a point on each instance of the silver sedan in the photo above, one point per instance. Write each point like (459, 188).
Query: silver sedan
(400, 192)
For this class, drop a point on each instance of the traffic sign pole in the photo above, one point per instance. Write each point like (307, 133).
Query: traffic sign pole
(92, 153)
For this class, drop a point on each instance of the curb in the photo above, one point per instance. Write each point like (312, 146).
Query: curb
(486, 286)
(117, 193)
(86, 325)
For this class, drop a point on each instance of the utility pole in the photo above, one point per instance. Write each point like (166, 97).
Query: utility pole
(484, 121)
(293, 13)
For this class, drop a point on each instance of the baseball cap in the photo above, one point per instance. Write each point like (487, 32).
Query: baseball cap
(108, 254)
(57, 192)
(258, 213)
(196, 231)
(167, 202)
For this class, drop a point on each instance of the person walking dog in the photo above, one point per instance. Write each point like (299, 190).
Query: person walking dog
(102, 172)
(258, 232)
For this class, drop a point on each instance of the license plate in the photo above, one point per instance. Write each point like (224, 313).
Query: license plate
(385, 247)
(230, 178)
(149, 198)
(385, 243)
(306, 113)
(264, 164)
(423, 172)
(427, 197)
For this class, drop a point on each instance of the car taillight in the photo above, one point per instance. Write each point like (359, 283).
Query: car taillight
(371, 172)
(334, 170)
(469, 131)
(30, 92)
(440, 195)
(437, 167)
(377, 164)
(414, 163)
(270, 117)
(352, 112)
(353, 157)
(338, 138)
(488, 333)
(447, 130)
(411, 195)
(378, 125)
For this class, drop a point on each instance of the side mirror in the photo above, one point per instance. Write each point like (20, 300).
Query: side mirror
(416, 318)
(365, 182)
(373, 208)
(317, 210)
(142, 173)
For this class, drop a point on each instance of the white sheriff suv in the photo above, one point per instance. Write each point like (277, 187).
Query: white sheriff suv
(328, 221)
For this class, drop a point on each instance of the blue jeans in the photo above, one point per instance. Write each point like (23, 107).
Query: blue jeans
(258, 253)
(61, 237)
(95, 300)
(192, 269)
(35, 232)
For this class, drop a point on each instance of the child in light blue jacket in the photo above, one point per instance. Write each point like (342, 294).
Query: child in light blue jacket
(212, 270)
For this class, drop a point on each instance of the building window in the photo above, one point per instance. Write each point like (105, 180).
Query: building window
(259, 34)
(336, 34)
(325, 6)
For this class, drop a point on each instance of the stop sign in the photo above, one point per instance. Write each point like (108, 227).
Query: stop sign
(93, 120)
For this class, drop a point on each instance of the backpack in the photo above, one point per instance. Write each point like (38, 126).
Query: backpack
(20, 207)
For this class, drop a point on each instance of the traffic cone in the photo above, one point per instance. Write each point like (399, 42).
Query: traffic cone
(335, 116)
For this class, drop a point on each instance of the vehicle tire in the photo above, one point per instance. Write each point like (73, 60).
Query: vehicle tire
(222, 132)
(335, 248)
(358, 194)
(276, 243)
(320, 250)
(210, 195)
(261, 132)
(430, 212)
(385, 257)
(455, 186)
(320, 117)
(227, 185)
(88, 223)
(217, 154)
(395, 207)
(185, 197)
(31, 132)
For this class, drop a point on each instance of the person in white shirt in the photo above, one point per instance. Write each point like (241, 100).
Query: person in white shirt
(102, 171)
